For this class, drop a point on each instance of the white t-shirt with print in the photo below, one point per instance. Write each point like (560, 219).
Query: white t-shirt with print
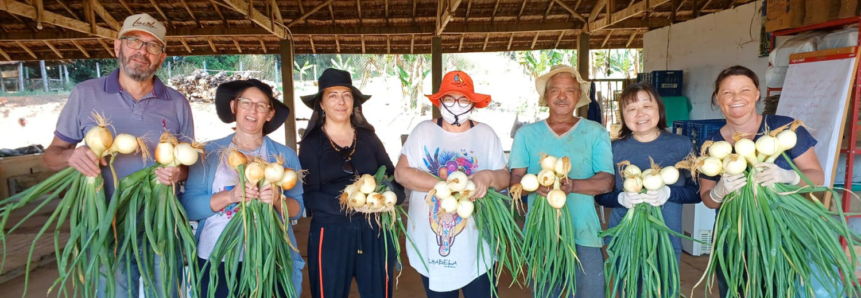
(448, 244)
(225, 178)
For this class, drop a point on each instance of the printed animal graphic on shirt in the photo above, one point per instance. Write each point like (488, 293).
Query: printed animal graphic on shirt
(447, 225)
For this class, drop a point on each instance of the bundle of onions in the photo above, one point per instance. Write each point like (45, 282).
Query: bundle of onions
(640, 247)
(151, 209)
(769, 241)
(83, 207)
(549, 249)
(258, 238)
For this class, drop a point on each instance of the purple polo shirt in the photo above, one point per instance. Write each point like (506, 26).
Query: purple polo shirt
(164, 109)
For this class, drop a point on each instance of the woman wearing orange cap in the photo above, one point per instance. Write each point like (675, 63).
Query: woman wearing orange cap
(449, 243)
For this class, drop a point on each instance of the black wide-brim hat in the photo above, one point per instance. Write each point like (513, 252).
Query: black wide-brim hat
(334, 78)
(227, 92)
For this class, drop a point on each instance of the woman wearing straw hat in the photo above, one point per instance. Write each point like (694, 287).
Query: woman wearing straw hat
(338, 145)
(449, 243)
(210, 196)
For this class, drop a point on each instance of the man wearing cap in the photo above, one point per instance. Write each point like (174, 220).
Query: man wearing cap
(134, 101)
(448, 242)
(587, 144)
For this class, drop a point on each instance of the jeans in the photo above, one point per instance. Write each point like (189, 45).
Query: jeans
(590, 279)
(127, 280)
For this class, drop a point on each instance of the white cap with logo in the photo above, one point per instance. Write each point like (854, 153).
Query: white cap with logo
(144, 23)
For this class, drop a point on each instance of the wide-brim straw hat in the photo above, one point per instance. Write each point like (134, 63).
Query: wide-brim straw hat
(541, 84)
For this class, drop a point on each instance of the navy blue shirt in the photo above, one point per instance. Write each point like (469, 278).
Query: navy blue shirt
(805, 140)
(666, 150)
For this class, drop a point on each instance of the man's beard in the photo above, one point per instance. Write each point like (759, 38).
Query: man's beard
(141, 73)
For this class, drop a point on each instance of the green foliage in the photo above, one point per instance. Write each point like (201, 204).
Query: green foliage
(302, 69)
(536, 63)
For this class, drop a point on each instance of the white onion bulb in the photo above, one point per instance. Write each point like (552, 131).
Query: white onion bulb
(465, 208)
(529, 182)
(633, 184)
(457, 181)
(448, 205)
(556, 198)
(670, 175)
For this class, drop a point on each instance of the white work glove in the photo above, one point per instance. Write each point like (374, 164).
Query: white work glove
(770, 173)
(629, 199)
(658, 197)
(727, 185)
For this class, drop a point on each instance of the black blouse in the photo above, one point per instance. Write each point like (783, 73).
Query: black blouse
(326, 178)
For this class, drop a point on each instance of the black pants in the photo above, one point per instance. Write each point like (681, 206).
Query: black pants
(341, 251)
(478, 288)
(221, 289)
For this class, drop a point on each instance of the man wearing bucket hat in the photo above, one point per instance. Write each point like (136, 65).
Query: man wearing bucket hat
(447, 242)
(587, 144)
(136, 102)
(338, 145)
(211, 196)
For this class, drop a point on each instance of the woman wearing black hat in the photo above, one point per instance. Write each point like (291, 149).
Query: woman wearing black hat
(210, 196)
(338, 145)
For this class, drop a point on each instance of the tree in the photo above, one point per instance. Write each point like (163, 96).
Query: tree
(302, 69)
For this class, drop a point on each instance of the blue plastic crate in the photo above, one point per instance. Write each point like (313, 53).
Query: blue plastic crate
(668, 82)
(679, 127)
(644, 77)
(699, 130)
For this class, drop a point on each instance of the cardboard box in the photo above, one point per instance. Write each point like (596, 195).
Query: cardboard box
(821, 11)
(784, 14)
(849, 8)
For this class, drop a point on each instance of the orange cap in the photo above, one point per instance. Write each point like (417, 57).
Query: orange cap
(458, 81)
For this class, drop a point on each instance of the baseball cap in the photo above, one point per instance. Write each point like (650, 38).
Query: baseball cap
(144, 23)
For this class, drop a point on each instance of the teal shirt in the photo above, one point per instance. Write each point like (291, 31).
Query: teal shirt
(587, 144)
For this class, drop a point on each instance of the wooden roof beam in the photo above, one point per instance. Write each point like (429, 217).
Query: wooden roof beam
(447, 14)
(90, 14)
(412, 43)
(160, 12)
(81, 48)
(100, 10)
(388, 44)
(486, 38)
(26, 49)
(534, 40)
(259, 18)
(493, 16)
(126, 6)
(28, 11)
(337, 44)
(332, 14)
(221, 15)
(313, 48)
(606, 39)
(190, 13)
(53, 48)
(415, 4)
(679, 8)
(625, 14)
(460, 46)
(631, 39)
(359, 9)
(307, 14)
(212, 45)
(263, 45)
(362, 37)
(597, 9)
(572, 11)
(3, 53)
(276, 10)
(611, 8)
(185, 44)
(468, 8)
(387, 12)
(546, 12)
(69, 10)
(510, 40)
(700, 10)
(520, 14)
(558, 40)
(236, 43)
(107, 48)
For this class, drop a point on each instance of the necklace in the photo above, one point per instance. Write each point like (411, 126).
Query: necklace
(350, 156)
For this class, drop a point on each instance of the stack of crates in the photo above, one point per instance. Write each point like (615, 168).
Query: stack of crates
(698, 130)
(666, 82)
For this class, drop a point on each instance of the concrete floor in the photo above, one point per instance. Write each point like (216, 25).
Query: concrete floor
(409, 284)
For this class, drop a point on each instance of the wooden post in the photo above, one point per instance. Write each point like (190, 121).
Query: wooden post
(289, 100)
(98, 70)
(583, 64)
(44, 75)
(436, 68)
(20, 76)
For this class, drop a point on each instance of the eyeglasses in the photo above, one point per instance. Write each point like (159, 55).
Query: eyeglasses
(247, 103)
(136, 44)
(347, 166)
(450, 100)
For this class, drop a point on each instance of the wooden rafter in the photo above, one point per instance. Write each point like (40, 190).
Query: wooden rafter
(631, 39)
(103, 13)
(493, 16)
(359, 9)
(547, 11)
(486, 39)
(447, 15)
(510, 40)
(558, 40)
(606, 39)
(332, 14)
(520, 14)
(468, 8)
(597, 9)
(703, 7)
(258, 17)
(460, 46)
(185, 44)
(40, 13)
(276, 10)
(26, 49)
(69, 10)
(387, 12)
(679, 8)
(412, 43)
(107, 48)
(3, 53)
(572, 11)
(236, 43)
(126, 6)
(212, 45)
(363, 43)
(28, 11)
(611, 8)
(160, 12)
(220, 15)
(534, 40)
(415, 4)
(190, 13)
(81, 48)
(263, 45)
(625, 14)
(305, 15)
(388, 44)
(90, 14)
(337, 44)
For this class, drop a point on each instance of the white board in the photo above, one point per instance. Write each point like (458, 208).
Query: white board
(816, 91)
